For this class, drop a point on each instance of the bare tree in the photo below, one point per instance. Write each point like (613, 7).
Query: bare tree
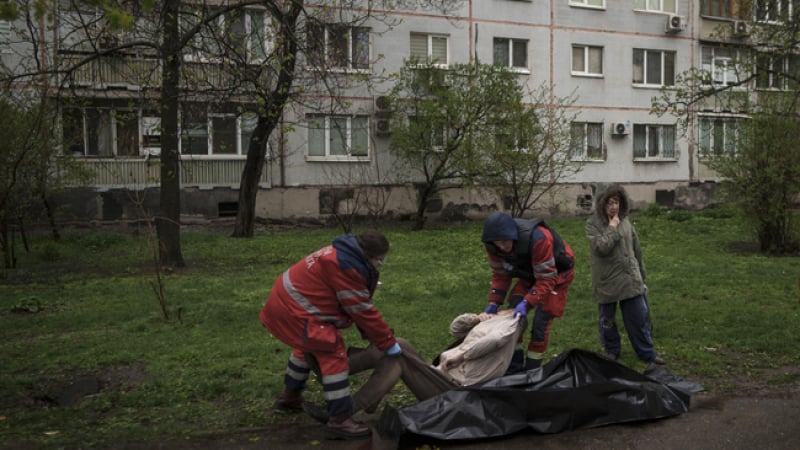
(532, 152)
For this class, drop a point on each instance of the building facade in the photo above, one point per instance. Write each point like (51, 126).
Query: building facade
(613, 56)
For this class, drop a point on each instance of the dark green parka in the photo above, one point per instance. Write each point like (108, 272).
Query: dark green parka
(618, 271)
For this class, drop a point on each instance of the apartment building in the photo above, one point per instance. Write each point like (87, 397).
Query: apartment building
(613, 56)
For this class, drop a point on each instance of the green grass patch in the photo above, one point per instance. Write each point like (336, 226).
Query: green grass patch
(84, 308)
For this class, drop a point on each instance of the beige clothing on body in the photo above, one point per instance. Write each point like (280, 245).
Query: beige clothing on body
(487, 350)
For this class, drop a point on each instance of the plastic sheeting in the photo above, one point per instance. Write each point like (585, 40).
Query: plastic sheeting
(578, 389)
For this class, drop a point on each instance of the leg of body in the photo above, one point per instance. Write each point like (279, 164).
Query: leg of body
(421, 378)
(386, 373)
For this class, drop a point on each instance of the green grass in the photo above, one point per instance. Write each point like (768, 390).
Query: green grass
(84, 307)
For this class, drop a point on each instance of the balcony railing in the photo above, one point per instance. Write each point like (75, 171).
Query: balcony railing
(140, 173)
(136, 73)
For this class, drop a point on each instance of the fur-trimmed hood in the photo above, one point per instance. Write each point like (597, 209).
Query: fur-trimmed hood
(602, 199)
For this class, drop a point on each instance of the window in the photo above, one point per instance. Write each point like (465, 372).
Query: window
(720, 65)
(653, 141)
(669, 6)
(774, 10)
(721, 8)
(5, 34)
(511, 53)
(718, 136)
(653, 67)
(434, 134)
(339, 46)
(587, 60)
(247, 32)
(429, 48)
(151, 135)
(337, 137)
(194, 130)
(214, 133)
(594, 3)
(101, 132)
(586, 141)
(771, 71)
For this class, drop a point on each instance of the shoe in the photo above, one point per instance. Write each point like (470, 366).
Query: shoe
(658, 360)
(344, 427)
(289, 401)
(318, 413)
(610, 356)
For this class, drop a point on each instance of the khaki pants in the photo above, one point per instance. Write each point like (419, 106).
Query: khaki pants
(421, 378)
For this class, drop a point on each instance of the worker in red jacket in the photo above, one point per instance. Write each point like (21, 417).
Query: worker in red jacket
(310, 303)
(542, 263)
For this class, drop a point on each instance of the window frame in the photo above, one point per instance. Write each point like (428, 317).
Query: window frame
(429, 49)
(5, 36)
(353, 36)
(707, 145)
(776, 80)
(585, 4)
(645, 69)
(645, 5)
(201, 54)
(762, 12)
(725, 9)
(731, 64)
(588, 129)
(586, 61)
(661, 130)
(113, 128)
(328, 139)
(510, 43)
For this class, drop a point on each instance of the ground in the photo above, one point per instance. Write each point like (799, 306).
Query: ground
(752, 414)
(748, 412)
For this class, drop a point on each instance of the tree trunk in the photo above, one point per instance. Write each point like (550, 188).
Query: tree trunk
(274, 102)
(248, 186)
(168, 226)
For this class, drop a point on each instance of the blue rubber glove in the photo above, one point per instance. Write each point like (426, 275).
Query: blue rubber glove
(394, 350)
(491, 309)
(521, 310)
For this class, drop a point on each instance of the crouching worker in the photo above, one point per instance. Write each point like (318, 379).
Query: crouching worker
(542, 263)
(328, 290)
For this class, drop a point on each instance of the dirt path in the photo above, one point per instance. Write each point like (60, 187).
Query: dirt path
(764, 420)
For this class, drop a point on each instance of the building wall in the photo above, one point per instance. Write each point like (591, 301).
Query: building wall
(296, 187)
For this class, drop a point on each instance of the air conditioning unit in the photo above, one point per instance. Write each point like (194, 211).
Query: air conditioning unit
(675, 24)
(620, 128)
(383, 106)
(382, 127)
(741, 28)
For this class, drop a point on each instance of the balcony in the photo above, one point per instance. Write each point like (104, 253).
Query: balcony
(141, 173)
(136, 73)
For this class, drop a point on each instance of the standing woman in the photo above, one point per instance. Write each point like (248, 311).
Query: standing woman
(618, 276)
(326, 291)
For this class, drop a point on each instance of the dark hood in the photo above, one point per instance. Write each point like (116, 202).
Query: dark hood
(624, 202)
(499, 227)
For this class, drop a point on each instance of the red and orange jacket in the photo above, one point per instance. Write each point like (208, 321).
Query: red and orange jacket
(333, 285)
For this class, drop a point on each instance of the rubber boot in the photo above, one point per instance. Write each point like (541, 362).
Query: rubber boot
(343, 426)
(289, 400)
